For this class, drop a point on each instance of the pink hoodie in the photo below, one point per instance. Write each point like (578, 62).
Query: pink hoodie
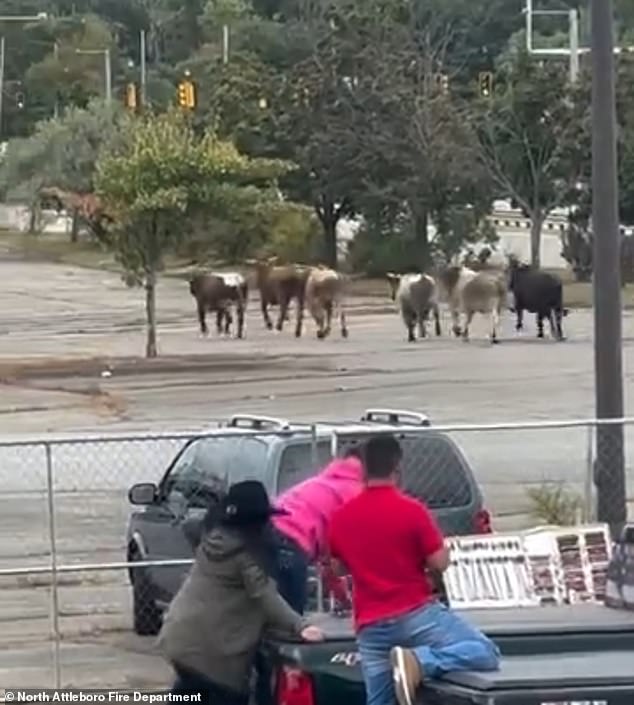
(312, 503)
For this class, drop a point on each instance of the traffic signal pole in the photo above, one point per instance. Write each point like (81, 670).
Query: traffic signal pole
(610, 457)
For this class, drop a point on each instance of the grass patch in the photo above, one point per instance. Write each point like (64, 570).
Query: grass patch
(554, 504)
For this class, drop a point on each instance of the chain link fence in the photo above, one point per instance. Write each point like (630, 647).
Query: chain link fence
(67, 605)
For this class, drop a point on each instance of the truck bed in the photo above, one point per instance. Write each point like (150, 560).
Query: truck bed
(587, 619)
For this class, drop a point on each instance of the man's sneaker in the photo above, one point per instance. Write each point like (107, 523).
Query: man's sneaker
(407, 673)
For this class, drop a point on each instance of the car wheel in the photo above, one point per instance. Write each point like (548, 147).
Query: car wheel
(146, 615)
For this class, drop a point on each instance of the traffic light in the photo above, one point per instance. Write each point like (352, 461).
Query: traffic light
(485, 82)
(442, 82)
(187, 94)
(131, 96)
(19, 100)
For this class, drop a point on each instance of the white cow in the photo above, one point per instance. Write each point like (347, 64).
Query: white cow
(416, 296)
(470, 292)
(325, 290)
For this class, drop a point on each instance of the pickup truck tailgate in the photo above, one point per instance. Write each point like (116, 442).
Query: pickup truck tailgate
(590, 678)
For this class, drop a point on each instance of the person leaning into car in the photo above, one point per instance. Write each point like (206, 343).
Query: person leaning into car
(213, 627)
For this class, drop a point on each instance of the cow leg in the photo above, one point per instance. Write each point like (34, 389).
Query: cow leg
(422, 324)
(300, 315)
(495, 322)
(560, 331)
(328, 307)
(240, 315)
(519, 312)
(467, 323)
(410, 324)
(219, 319)
(342, 321)
(455, 317)
(264, 305)
(202, 319)
(540, 325)
(228, 321)
(283, 313)
(437, 320)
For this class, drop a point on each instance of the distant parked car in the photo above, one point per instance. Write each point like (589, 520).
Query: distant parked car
(165, 524)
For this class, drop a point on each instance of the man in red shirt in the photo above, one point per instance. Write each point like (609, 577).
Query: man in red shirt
(388, 541)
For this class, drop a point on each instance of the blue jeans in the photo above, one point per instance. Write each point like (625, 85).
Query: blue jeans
(291, 567)
(441, 640)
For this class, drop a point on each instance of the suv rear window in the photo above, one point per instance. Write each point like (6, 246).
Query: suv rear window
(297, 465)
(432, 470)
(208, 466)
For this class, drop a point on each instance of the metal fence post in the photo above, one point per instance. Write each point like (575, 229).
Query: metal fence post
(50, 491)
(588, 493)
(314, 455)
(334, 444)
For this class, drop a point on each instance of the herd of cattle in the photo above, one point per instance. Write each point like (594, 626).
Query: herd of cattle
(418, 295)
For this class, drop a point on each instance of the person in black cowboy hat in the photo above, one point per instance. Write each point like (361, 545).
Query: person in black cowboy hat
(213, 627)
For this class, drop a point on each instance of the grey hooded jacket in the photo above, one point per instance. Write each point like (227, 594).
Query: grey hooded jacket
(215, 623)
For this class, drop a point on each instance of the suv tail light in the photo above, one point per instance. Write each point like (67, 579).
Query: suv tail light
(482, 522)
(294, 687)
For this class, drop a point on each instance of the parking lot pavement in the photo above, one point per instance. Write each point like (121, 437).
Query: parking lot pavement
(57, 312)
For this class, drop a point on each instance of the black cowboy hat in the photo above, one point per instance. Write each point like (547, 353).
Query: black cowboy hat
(247, 503)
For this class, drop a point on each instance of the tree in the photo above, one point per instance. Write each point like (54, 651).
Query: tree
(159, 183)
(409, 128)
(528, 140)
(62, 154)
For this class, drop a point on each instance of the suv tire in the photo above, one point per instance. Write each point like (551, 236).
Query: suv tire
(147, 617)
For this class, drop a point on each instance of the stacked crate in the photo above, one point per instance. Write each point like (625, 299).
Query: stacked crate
(569, 564)
(489, 571)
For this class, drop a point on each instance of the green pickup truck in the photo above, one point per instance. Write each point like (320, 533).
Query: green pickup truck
(569, 655)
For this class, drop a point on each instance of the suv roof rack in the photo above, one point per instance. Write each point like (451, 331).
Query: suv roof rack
(258, 423)
(395, 416)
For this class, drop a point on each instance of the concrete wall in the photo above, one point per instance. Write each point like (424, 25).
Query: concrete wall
(15, 217)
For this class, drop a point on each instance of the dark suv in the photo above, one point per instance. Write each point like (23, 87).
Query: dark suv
(280, 455)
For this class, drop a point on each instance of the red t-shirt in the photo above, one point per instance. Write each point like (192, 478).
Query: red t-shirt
(384, 537)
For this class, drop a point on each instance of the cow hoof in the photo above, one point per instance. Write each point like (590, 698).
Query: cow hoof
(495, 341)
(411, 340)
(321, 335)
(456, 331)
(344, 333)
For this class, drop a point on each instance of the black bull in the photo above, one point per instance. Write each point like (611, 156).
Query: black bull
(214, 294)
(540, 293)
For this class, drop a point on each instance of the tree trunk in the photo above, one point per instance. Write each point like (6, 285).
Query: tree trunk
(330, 234)
(421, 235)
(74, 229)
(537, 221)
(150, 311)
(327, 214)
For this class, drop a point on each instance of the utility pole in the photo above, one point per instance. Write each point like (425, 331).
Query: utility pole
(2, 52)
(56, 55)
(225, 43)
(573, 28)
(143, 67)
(610, 460)
(108, 72)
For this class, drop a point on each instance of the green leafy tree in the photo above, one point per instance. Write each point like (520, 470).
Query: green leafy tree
(529, 138)
(159, 184)
(62, 154)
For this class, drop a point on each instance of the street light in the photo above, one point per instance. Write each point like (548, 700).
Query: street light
(40, 17)
(107, 67)
(573, 50)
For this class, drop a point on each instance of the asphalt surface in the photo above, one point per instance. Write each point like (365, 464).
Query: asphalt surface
(56, 313)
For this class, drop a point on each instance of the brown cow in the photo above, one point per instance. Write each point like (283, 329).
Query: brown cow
(216, 292)
(324, 295)
(278, 286)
